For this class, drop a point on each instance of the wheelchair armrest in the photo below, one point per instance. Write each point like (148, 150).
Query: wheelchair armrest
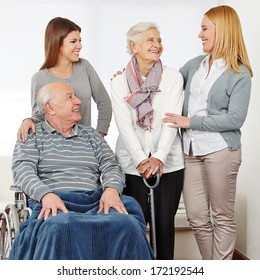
(15, 188)
(20, 198)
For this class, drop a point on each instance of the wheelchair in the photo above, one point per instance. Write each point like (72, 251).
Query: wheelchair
(10, 219)
(18, 212)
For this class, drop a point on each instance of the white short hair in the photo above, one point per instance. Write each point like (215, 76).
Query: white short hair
(43, 96)
(134, 32)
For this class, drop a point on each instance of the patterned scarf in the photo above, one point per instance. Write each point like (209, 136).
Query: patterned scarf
(142, 90)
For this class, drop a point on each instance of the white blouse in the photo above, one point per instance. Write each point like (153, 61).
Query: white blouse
(203, 142)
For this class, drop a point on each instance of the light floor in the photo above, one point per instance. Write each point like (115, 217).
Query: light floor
(185, 246)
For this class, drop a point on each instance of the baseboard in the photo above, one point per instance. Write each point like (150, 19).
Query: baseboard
(182, 228)
(239, 256)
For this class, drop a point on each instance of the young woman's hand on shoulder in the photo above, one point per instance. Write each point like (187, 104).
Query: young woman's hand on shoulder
(23, 130)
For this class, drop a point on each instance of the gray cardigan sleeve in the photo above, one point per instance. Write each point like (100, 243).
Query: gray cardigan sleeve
(227, 104)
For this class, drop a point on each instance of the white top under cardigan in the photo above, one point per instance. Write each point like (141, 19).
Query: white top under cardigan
(203, 142)
(134, 143)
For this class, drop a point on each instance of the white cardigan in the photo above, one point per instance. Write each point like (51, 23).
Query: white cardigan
(134, 143)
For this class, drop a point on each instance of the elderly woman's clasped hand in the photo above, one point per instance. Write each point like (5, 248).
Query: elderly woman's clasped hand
(149, 167)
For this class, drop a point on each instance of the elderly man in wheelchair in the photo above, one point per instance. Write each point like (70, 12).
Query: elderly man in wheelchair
(74, 185)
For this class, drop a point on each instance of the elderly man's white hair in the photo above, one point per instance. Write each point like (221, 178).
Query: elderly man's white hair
(134, 32)
(43, 96)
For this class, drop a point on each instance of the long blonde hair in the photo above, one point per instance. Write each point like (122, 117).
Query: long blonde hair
(229, 43)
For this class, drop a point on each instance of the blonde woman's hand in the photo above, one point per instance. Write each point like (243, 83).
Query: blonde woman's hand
(23, 130)
(176, 121)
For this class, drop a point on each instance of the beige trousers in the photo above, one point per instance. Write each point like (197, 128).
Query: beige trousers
(209, 197)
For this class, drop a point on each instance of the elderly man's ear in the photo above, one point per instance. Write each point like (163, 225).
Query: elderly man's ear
(49, 109)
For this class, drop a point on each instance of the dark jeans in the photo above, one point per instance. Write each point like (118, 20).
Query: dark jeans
(166, 201)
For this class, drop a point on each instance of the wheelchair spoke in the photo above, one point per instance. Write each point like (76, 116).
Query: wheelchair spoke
(5, 236)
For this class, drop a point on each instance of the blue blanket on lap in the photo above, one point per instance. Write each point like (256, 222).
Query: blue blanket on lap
(81, 234)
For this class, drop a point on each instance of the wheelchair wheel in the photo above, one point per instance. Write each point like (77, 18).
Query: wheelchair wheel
(12, 213)
(5, 236)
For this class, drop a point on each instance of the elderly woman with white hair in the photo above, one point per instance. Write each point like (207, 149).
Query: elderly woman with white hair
(140, 98)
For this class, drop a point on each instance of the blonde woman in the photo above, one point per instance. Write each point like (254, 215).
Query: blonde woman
(217, 92)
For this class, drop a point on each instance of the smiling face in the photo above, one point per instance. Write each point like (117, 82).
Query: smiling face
(64, 105)
(148, 48)
(71, 47)
(207, 35)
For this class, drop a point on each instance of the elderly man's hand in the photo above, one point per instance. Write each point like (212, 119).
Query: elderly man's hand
(51, 203)
(110, 198)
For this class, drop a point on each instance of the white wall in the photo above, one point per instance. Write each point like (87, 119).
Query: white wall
(248, 190)
(104, 25)
(21, 53)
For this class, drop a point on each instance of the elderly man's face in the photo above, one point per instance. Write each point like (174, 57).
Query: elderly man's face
(149, 46)
(66, 104)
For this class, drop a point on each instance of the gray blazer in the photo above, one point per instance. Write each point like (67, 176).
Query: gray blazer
(228, 102)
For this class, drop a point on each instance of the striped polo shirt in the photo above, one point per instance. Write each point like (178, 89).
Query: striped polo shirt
(49, 162)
